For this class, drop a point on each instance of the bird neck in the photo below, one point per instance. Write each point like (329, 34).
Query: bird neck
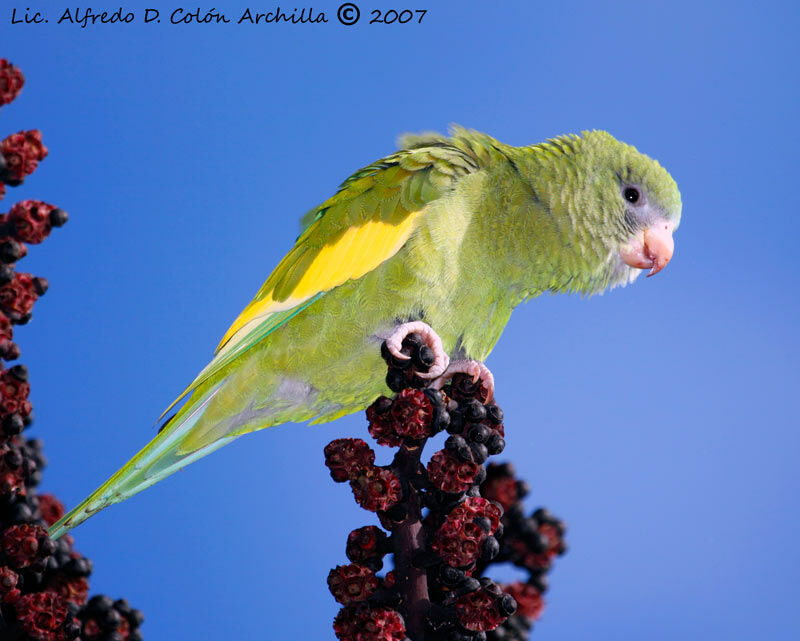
(549, 235)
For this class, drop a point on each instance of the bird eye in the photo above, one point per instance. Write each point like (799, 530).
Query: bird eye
(631, 195)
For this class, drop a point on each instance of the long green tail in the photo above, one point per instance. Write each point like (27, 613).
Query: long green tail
(158, 459)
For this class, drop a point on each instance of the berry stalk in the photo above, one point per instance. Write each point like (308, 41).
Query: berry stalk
(408, 542)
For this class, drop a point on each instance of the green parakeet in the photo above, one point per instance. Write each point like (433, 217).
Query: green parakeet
(453, 231)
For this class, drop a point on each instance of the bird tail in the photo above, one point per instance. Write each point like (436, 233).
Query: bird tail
(161, 457)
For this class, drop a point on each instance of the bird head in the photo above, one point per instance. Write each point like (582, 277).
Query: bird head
(631, 201)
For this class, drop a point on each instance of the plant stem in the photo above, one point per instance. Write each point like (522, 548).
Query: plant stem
(408, 539)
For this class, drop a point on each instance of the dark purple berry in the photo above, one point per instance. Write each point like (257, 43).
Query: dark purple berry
(423, 358)
(20, 372)
(40, 285)
(13, 424)
(474, 411)
(58, 217)
(479, 453)
(395, 380)
(496, 444)
(494, 414)
(478, 433)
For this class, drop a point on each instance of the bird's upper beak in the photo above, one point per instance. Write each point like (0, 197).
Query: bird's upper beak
(651, 248)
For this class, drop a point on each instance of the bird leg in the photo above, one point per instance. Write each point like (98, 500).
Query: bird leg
(394, 343)
(476, 369)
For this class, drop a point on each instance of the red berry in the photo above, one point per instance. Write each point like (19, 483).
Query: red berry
(381, 423)
(352, 583)
(42, 614)
(377, 489)
(366, 544)
(30, 221)
(528, 558)
(451, 474)
(503, 489)
(24, 545)
(9, 579)
(13, 395)
(18, 296)
(11, 81)
(478, 611)
(347, 458)
(553, 536)
(362, 623)
(6, 328)
(529, 600)
(459, 541)
(50, 508)
(74, 590)
(22, 152)
(412, 413)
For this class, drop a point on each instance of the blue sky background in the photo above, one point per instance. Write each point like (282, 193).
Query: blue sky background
(660, 421)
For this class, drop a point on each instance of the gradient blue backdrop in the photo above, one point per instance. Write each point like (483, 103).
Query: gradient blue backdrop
(660, 420)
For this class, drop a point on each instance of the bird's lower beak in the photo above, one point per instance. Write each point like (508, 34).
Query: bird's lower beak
(650, 249)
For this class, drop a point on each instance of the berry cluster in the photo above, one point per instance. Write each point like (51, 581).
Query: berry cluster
(530, 543)
(44, 588)
(447, 521)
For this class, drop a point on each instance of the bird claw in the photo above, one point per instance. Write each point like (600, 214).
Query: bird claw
(476, 369)
(394, 343)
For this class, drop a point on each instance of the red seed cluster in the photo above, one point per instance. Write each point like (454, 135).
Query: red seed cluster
(50, 508)
(11, 82)
(460, 539)
(530, 602)
(42, 615)
(31, 221)
(8, 349)
(365, 623)
(377, 489)
(12, 471)
(352, 583)
(25, 546)
(381, 423)
(14, 391)
(450, 474)
(501, 488)
(74, 590)
(18, 296)
(412, 413)
(22, 153)
(9, 580)
(538, 558)
(367, 545)
(484, 609)
(348, 458)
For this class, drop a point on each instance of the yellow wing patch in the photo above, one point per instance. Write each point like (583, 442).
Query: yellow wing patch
(359, 250)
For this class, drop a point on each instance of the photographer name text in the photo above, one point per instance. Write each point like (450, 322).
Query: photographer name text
(346, 14)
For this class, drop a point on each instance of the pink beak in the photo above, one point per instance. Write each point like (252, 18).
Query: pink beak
(650, 249)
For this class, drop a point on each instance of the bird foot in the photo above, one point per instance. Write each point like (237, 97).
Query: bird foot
(475, 369)
(394, 343)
